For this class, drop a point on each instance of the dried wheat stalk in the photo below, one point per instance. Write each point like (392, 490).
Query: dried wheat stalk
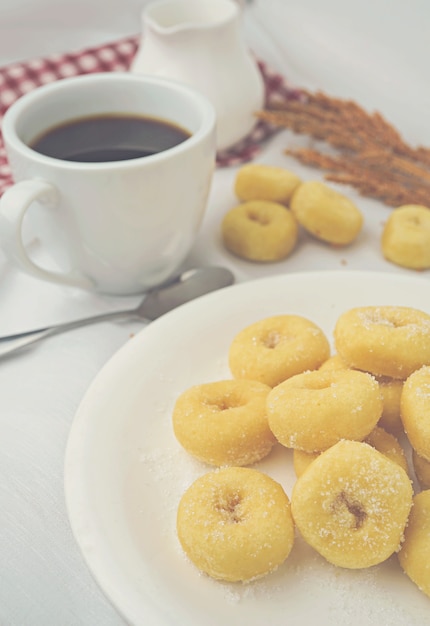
(370, 153)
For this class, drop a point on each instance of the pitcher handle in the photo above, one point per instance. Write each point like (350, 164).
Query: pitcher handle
(13, 206)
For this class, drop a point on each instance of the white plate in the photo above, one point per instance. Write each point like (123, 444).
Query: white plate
(125, 472)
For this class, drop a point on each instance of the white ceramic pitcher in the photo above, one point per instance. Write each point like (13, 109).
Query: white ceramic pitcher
(200, 43)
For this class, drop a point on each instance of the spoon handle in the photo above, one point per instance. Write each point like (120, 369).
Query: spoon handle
(183, 288)
(10, 343)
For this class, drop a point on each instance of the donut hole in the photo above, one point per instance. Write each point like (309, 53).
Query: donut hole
(415, 221)
(220, 406)
(258, 216)
(389, 319)
(229, 507)
(349, 511)
(224, 403)
(272, 339)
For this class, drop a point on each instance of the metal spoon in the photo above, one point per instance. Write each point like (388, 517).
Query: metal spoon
(187, 286)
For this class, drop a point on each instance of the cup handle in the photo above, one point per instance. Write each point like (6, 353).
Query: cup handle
(13, 206)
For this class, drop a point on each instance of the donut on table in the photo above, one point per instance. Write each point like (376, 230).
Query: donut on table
(352, 505)
(414, 556)
(255, 181)
(325, 213)
(259, 230)
(388, 341)
(314, 410)
(276, 348)
(224, 422)
(405, 239)
(235, 524)
(415, 411)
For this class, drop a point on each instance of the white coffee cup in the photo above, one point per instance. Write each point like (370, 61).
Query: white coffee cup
(128, 224)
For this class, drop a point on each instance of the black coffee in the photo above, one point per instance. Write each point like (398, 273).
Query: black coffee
(109, 138)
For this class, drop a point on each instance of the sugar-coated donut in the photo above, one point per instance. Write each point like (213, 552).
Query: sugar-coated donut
(326, 213)
(235, 524)
(264, 182)
(302, 460)
(260, 231)
(415, 410)
(414, 555)
(405, 239)
(224, 422)
(388, 445)
(384, 442)
(421, 469)
(389, 341)
(334, 362)
(391, 390)
(314, 410)
(352, 505)
(275, 348)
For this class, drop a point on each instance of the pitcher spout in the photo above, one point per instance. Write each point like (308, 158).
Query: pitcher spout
(167, 17)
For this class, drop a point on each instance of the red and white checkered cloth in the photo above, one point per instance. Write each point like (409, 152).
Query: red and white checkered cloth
(19, 78)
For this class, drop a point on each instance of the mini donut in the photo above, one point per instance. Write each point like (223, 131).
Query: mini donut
(415, 411)
(265, 182)
(314, 410)
(388, 445)
(379, 439)
(388, 341)
(302, 460)
(275, 348)
(391, 390)
(421, 469)
(352, 505)
(414, 556)
(224, 422)
(326, 214)
(333, 363)
(405, 239)
(235, 524)
(260, 231)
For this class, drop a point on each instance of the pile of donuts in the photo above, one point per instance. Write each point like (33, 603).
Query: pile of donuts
(275, 203)
(344, 415)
